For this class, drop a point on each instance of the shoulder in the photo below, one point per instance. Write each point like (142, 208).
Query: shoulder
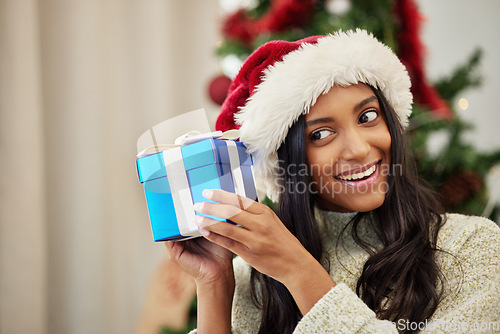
(461, 232)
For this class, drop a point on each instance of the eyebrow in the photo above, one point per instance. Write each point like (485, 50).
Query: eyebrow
(364, 102)
(329, 119)
(319, 120)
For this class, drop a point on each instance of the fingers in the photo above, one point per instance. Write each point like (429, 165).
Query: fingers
(223, 211)
(227, 235)
(172, 249)
(169, 245)
(209, 226)
(253, 219)
(228, 205)
(237, 201)
(228, 243)
(239, 209)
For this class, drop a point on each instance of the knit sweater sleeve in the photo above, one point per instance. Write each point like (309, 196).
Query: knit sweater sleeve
(341, 311)
(471, 299)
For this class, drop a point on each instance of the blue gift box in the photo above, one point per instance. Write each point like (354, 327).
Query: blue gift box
(175, 179)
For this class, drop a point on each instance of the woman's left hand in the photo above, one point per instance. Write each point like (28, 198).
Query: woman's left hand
(261, 239)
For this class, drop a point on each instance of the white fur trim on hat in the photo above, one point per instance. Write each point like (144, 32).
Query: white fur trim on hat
(291, 86)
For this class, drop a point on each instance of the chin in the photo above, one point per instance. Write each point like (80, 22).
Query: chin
(356, 203)
(367, 207)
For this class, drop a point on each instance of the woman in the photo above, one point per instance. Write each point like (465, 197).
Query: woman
(357, 245)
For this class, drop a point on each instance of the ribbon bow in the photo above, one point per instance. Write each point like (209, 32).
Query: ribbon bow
(189, 138)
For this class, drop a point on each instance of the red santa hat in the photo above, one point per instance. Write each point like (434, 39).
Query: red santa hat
(281, 80)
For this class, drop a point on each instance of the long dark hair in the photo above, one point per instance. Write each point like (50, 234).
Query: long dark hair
(404, 272)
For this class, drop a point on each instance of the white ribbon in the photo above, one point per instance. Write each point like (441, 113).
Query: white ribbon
(234, 162)
(194, 136)
(183, 202)
(189, 138)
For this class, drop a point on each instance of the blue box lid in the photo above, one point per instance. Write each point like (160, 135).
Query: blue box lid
(199, 154)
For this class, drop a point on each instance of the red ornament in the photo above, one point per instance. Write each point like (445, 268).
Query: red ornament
(218, 87)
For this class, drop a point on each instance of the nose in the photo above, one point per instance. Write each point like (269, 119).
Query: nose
(355, 145)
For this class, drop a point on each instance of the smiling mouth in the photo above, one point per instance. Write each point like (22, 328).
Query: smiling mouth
(360, 174)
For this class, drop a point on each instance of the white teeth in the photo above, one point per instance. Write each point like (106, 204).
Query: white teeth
(358, 176)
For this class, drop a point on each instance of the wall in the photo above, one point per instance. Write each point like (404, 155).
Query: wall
(453, 29)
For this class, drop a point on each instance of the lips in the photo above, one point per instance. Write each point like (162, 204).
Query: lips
(359, 174)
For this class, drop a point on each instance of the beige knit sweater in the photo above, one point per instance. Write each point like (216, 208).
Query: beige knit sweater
(471, 302)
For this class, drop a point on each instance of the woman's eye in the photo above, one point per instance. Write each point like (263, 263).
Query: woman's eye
(320, 134)
(368, 116)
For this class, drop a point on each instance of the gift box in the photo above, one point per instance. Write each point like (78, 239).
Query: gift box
(175, 177)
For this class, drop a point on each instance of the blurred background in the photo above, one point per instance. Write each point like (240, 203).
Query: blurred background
(81, 80)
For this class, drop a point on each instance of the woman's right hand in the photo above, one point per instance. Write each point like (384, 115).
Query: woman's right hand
(202, 259)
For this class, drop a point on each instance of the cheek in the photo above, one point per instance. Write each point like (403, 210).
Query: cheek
(322, 174)
(386, 146)
(322, 162)
(382, 141)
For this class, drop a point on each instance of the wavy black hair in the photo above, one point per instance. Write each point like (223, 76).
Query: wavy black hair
(403, 273)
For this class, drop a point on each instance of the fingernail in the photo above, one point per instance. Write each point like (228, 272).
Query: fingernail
(208, 193)
(204, 232)
(198, 206)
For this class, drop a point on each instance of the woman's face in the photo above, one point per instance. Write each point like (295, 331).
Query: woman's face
(348, 148)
